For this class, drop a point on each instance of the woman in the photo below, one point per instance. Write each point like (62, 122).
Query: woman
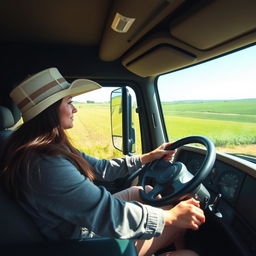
(54, 182)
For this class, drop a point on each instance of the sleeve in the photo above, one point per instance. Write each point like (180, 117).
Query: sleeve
(110, 170)
(64, 192)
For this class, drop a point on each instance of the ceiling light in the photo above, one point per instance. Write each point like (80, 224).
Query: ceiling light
(121, 24)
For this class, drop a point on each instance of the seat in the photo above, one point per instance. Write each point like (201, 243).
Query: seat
(9, 116)
(19, 235)
(6, 121)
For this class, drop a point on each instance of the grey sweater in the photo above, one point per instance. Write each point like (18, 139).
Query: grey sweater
(67, 205)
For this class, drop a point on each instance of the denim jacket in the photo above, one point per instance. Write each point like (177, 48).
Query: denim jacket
(67, 205)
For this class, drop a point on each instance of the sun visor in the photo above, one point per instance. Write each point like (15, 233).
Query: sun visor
(158, 60)
(213, 25)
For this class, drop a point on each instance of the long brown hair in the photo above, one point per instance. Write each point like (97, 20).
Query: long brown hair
(42, 135)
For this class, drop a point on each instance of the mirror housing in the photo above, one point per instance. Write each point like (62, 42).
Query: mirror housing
(123, 133)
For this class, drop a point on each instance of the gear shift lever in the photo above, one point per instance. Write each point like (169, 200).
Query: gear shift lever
(214, 206)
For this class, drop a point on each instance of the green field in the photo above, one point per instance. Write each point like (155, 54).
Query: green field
(230, 124)
(242, 107)
(237, 111)
(227, 123)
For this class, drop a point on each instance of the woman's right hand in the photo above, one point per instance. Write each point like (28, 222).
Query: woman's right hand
(186, 214)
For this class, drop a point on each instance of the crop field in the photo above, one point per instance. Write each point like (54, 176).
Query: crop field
(230, 124)
(92, 130)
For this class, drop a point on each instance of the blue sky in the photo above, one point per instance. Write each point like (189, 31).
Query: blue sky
(230, 77)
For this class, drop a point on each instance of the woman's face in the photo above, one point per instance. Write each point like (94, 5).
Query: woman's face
(66, 113)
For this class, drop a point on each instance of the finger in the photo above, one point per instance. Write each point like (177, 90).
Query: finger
(166, 158)
(194, 226)
(169, 154)
(167, 144)
(193, 201)
(199, 215)
(197, 211)
(163, 146)
(195, 223)
(197, 220)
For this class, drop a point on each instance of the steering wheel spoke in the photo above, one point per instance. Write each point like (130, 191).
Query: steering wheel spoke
(155, 192)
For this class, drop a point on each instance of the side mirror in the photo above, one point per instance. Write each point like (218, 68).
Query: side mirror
(123, 133)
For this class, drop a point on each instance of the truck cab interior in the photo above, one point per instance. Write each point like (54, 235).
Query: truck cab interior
(132, 43)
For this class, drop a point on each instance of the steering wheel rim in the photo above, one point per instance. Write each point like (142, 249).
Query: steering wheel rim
(176, 168)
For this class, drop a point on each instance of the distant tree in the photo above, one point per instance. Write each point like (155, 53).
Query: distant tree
(90, 101)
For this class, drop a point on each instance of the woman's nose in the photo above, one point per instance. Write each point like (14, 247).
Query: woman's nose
(74, 109)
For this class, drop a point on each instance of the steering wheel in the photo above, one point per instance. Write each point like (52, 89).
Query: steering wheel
(172, 180)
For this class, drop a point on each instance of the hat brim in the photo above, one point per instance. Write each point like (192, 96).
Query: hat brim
(77, 87)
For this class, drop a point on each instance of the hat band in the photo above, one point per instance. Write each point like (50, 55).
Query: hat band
(40, 91)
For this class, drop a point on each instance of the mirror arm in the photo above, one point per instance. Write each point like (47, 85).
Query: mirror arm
(126, 121)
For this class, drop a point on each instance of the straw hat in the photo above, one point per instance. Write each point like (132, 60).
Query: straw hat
(43, 89)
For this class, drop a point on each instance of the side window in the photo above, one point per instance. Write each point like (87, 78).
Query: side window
(92, 124)
(216, 99)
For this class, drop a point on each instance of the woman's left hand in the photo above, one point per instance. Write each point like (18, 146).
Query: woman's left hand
(158, 153)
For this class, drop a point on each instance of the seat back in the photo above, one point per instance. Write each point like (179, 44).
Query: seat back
(6, 121)
(20, 236)
(16, 225)
(9, 116)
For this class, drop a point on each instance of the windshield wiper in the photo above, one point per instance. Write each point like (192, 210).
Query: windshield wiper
(248, 157)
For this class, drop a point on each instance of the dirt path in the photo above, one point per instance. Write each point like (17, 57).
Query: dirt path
(244, 149)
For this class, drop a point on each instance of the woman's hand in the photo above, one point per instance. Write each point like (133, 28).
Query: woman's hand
(158, 153)
(186, 214)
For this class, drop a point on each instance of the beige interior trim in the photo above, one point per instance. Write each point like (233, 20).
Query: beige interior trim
(163, 57)
(147, 14)
(165, 38)
(217, 23)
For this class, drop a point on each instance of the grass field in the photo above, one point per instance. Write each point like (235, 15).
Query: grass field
(230, 124)
(92, 131)
(242, 107)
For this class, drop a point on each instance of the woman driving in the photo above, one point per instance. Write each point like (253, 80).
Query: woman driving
(55, 183)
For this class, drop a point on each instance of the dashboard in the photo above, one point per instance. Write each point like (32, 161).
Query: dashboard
(224, 179)
(233, 180)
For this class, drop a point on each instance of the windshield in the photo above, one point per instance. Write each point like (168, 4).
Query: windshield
(216, 99)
